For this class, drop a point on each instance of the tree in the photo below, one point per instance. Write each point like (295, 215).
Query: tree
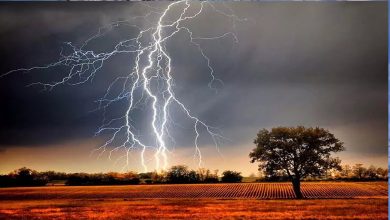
(229, 176)
(346, 171)
(359, 171)
(193, 177)
(159, 177)
(211, 177)
(27, 177)
(181, 174)
(298, 151)
(371, 172)
(203, 173)
(382, 173)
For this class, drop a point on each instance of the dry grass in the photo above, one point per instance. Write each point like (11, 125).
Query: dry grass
(113, 202)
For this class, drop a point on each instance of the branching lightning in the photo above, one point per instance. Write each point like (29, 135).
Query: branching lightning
(150, 83)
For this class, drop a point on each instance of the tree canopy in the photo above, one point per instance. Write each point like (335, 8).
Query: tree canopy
(297, 151)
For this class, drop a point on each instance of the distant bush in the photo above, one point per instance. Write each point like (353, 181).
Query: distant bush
(148, 181)
(23, 177)
(276, 177)
(206, 176)
(176, 174)
(181, 174)
(52, 175)
(347, 173)
(83, 179)
(229, 176)
(147, 175)
(211, 179)
(360, 173)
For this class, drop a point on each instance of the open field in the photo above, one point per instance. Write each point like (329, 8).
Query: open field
(195, 209)
(235, 190)
(330, 200)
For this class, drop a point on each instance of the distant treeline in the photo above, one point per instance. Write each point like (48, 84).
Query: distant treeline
(347, 173)
(176, 174)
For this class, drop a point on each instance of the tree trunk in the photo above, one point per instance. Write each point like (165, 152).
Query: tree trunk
(297, 188)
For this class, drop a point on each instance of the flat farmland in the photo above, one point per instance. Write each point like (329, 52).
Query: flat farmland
(325, 200)
(310, 190)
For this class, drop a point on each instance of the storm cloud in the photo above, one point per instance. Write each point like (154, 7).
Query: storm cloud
(307, 63)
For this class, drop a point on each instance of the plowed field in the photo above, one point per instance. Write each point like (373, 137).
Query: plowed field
(240, 190)
(325, 200)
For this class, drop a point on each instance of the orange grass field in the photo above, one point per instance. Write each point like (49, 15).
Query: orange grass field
(325, 200)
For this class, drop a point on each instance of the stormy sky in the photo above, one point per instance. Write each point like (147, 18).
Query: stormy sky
(311, 64)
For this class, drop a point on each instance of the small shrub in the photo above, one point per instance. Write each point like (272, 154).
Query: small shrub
(229, 176)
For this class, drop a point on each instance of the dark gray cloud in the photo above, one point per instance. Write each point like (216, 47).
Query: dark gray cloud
(315, 64)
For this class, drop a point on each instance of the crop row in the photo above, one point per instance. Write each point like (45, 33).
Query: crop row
(237, 190)
(257, 190)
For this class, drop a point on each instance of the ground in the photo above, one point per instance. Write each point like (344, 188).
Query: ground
(343, 201)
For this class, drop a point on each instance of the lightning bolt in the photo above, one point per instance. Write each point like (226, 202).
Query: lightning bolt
(149, 84)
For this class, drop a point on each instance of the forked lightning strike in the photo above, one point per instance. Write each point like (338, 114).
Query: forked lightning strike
(150, 79)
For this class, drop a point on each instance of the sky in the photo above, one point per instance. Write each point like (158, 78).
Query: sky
(306, 63)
